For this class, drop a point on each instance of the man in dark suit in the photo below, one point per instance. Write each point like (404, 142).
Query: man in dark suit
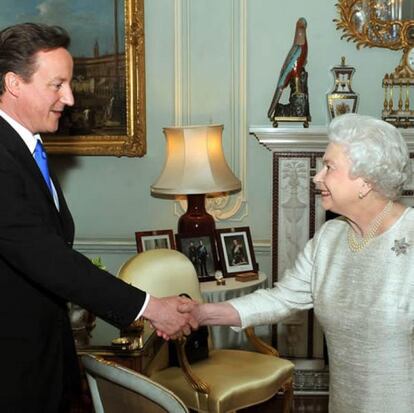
(39, 270)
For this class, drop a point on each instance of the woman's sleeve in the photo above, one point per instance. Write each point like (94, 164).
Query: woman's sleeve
(291, 294)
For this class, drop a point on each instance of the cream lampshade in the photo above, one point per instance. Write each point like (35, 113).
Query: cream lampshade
(194, 166)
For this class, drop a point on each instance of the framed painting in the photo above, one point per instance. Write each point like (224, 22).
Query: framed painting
(236, 251)
(150, 240)
(107, 45)
(201, 251)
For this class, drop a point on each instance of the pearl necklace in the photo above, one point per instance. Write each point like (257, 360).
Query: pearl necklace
(357, 245)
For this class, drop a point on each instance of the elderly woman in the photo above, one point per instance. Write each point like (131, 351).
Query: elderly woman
(357, 272)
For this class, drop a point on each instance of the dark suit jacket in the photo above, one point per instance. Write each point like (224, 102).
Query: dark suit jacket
(39, 273)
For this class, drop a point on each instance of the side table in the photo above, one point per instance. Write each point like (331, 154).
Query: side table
(223, 336)
(137, 360)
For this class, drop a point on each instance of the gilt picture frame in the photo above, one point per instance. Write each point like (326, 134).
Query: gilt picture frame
(108, 117)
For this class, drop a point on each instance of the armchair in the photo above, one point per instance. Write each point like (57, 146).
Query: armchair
(115, 388)
(228, 380)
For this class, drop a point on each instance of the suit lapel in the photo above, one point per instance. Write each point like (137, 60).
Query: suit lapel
(15, 144)
(65, 216)
(11, 140)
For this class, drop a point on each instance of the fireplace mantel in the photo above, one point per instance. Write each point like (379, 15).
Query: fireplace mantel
(312, 139)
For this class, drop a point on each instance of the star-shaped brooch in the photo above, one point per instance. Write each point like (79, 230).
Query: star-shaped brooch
(400, 246)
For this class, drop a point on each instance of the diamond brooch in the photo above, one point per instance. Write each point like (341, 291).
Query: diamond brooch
(400, 246)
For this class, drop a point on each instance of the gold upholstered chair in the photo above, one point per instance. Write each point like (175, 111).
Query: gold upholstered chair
(227, 380)
(115, 388)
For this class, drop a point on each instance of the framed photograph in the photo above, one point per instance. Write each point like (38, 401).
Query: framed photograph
(201, 251)
(235, 249)
(150, 240)
(107, 45)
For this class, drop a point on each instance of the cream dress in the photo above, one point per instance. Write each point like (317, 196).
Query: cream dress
(365, 304)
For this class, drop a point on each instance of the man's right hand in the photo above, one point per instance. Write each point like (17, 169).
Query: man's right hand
(166, 319)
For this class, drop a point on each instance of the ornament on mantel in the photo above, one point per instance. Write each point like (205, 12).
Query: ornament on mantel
(294, 76)
(342, 99)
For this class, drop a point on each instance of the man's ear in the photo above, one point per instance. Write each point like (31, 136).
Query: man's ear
(12, 83)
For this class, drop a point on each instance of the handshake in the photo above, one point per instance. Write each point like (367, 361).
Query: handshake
(174, 317)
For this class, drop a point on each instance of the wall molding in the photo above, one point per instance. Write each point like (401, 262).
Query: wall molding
(127, 246)
(105, 246)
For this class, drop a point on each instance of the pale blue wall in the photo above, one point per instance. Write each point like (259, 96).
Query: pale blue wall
(110, 197)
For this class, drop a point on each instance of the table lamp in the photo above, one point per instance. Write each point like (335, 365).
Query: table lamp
(195, 166)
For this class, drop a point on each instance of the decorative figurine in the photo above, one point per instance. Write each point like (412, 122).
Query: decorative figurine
(342, 99)
(219, 278)
(398, 108)
(82, 322)
(293, 74)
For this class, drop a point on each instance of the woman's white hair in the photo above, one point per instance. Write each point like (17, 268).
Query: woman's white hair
(377, 151)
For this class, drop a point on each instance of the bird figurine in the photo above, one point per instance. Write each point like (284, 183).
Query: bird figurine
(292, 66)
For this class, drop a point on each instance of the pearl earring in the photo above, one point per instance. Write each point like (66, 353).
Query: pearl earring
(361, 195)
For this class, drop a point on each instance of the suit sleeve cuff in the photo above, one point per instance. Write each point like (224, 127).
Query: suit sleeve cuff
(147, 297)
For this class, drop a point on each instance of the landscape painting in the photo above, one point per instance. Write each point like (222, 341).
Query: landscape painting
(107, 44)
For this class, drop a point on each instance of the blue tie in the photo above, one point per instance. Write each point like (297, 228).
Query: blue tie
(41, 160)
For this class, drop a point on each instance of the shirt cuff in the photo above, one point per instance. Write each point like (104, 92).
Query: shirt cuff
(147, 298)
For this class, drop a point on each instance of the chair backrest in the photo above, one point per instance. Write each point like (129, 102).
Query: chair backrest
(162, 273)
(115, 389)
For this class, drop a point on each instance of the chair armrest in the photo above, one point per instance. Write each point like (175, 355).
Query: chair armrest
(196, 383)
(259, 344)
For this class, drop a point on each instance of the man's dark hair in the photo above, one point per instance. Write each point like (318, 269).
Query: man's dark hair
(20, 43)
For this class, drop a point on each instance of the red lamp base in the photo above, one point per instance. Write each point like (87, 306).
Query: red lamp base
(196, 221)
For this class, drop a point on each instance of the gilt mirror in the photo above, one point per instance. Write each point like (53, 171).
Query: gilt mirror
(377, 23)
(387, 24)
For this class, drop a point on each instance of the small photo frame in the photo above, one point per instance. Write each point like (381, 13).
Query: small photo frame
(150, 240)
(201, 250)
(235, 249)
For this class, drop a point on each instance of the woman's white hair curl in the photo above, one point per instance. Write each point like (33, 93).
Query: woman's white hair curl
(377, 151)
